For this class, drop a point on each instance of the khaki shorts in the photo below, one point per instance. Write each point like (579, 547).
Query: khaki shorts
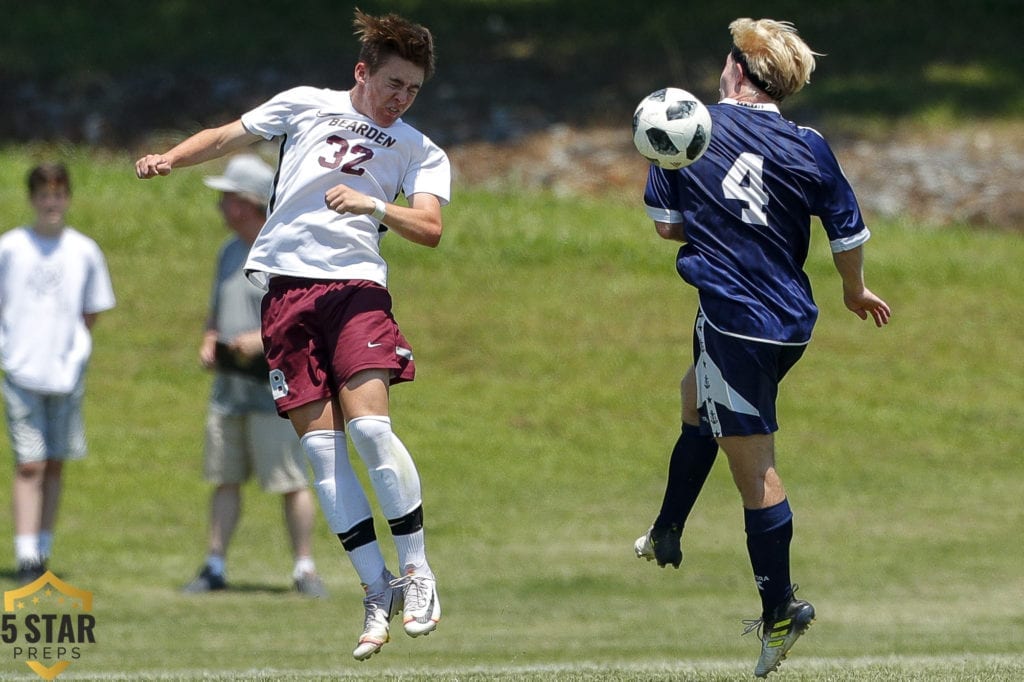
(238, 445)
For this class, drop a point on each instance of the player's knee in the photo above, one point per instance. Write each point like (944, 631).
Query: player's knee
(372, 438)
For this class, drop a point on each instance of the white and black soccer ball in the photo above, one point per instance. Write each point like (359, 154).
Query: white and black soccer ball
(671, 128)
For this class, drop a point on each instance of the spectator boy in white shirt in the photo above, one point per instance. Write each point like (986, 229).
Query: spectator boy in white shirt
(53, 285)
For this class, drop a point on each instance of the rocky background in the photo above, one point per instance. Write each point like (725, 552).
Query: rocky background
(964, 175)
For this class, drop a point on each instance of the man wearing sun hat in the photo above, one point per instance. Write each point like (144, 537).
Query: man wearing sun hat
(244, 434)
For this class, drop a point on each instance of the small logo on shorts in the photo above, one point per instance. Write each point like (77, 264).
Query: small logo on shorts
(370, 344)
(278, 385)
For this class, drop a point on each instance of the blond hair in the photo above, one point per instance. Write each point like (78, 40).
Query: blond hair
(773, 56)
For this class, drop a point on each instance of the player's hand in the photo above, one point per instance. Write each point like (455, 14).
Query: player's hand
(151, 165)
(247, 344)
(207, 351)
(344, 199)
(866, 303)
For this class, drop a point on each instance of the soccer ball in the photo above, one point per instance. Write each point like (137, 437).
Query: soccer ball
(671, 128)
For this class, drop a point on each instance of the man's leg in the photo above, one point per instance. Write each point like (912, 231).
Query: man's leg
(225, 466)
(769, 521)
(299, 513)
(364, 402)
(225, 510)
(769, 528)
(27, 504)
(53, 482)
(692, 458)
(348, 514)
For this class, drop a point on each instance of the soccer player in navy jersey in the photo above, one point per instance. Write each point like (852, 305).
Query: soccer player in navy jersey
(743, 213)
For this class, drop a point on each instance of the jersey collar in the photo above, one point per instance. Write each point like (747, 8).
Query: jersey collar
(762, 106)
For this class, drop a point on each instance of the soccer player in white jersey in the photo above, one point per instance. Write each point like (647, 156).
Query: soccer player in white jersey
(330, 338)
(743, 212)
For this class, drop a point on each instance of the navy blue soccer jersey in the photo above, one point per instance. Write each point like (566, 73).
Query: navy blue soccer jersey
(746, 209)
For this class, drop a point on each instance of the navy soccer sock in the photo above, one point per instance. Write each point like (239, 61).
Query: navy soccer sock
(688, 469)
(769, 532)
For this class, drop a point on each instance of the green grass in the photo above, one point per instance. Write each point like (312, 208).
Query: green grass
(550, 334)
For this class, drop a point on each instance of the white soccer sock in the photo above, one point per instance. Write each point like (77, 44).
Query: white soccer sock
(342, 499)
(411, 553)
(392, 471)
(303, 565)
(369, 564)
(26, 548)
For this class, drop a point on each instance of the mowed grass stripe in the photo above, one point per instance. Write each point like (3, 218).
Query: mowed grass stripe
(957, 668)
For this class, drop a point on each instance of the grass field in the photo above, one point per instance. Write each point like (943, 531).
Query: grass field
(550, 335)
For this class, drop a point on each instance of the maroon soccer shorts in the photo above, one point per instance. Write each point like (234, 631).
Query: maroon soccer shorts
(319, 333)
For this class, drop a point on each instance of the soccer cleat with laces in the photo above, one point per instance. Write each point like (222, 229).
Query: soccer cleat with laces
(380, 607)
(661, 545)
(422, 607)
(779, 632)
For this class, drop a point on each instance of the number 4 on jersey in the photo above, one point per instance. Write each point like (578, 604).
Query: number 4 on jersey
(745, 182)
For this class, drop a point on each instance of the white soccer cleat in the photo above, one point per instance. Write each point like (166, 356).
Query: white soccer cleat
(380, 607)
(422, 607)
(643, 547)
(661, 545)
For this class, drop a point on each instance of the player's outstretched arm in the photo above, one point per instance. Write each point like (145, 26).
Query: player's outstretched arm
(207, 144)
(858, 298)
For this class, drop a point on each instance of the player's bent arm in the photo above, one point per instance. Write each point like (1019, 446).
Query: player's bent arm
(419, 222)
(850, 266)
(207, 144)
(858, 298)
(671, 231)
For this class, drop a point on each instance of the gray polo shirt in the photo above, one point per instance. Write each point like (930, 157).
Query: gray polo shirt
(234, 309)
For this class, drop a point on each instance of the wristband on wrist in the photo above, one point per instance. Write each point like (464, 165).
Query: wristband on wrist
(379, 208)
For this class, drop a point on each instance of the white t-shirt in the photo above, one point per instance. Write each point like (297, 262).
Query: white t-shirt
(46, 285)
(327, 143)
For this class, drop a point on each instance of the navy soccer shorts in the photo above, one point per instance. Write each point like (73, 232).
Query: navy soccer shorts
(738, 380)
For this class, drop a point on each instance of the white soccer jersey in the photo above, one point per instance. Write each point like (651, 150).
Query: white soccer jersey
(326, 142)
(46, 285)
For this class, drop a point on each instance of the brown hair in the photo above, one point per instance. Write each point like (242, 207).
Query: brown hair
(773, 56)
(391, 35)
(49, 175)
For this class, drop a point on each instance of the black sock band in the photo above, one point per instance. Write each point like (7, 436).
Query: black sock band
(408, 524)
(358, 535)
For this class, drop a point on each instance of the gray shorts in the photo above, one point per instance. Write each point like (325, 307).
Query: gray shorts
(44, 426)
(260, 443)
